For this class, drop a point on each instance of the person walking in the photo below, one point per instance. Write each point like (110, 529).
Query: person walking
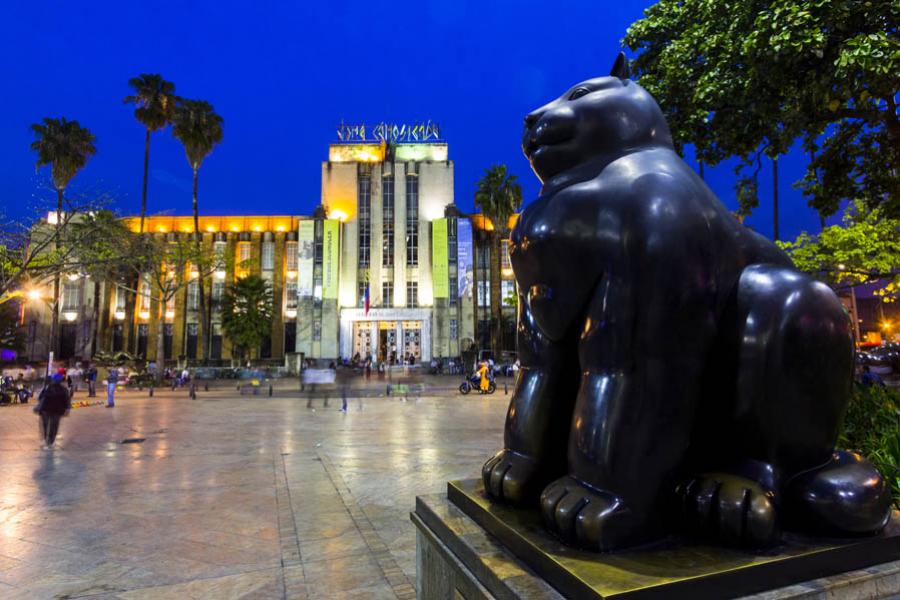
(342, 379)
(54, 402)
(111, 381)
(92, 381)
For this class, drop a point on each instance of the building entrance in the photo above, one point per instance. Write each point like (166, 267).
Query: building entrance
(386, 334)
(387, 341)
(412, 340)
(362, 339)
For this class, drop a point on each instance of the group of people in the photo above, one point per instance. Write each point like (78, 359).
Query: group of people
(55, 398)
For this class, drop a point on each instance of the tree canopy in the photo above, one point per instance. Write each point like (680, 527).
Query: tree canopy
(199, 128)
(64, 145)
(498, 196)
(247, 311)
(154, 100)
(864, 248)
(749, 79)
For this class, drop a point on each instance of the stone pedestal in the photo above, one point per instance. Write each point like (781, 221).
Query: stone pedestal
(505, 553)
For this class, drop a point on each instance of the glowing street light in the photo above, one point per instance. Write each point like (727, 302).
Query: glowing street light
(34, 294)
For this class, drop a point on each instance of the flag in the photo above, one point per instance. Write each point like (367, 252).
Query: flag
(366, 304)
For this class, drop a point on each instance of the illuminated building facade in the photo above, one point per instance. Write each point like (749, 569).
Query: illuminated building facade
(99, 316)
(386, 222)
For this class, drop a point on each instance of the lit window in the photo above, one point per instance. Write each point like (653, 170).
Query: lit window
(364, 205)
(412, 294)
(193, 295)
(387, 212)
(70, 295)
(290, 295)
(218, 290)
(387, 293)
(484, 294)
(290, 249)
(504, 255)
(412, 219)
(268, 256)
(507, 291)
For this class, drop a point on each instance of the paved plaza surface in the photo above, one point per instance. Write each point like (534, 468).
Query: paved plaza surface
(231, 496)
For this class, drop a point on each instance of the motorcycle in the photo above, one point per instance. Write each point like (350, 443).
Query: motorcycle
(474, 383)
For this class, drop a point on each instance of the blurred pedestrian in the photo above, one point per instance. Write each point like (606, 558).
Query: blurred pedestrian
(92, 381)
(869, 378)
(112, 380)
(342, 379)
(54, 401)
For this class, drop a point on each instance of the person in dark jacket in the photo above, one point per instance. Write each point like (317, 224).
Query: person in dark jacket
(54, 402)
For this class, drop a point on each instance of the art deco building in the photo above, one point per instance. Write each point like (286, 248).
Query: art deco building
(391, 228)
(386, 223)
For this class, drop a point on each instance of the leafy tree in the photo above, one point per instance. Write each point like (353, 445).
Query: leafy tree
(247, 311)
(154, 99)
(498, 197)
(865, 248)
(30, 255)
(169, 265)
(199, 129)
(748, 79)
(66, 146)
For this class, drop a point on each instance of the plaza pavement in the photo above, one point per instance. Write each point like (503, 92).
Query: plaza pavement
(231, 496)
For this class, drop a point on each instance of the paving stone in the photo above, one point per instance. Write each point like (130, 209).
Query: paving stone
(227, 498)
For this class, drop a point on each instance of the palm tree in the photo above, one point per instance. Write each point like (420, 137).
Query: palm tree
(154, 98)
(498, 197)
(197, 126)
(66, 146)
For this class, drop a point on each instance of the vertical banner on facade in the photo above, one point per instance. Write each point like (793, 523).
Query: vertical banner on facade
(440, 266)
(464, 263)
(331, 257)
(306, 246)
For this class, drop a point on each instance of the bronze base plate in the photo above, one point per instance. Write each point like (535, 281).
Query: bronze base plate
(673, 568)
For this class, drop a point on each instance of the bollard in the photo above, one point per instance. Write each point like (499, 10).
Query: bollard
(193, 392)
(270, 390)
(151, 391)
(505, 388)
(205, 387)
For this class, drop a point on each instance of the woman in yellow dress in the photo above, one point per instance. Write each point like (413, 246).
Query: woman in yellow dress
(482, 372)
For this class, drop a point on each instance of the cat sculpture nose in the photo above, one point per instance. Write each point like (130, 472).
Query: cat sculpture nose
(532, 118)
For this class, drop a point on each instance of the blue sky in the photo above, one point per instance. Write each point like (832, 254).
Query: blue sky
(284, 74)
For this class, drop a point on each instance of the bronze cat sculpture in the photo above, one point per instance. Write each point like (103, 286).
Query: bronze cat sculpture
(678, 372)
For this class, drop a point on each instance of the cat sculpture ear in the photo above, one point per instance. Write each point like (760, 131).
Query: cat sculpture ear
(620, 67)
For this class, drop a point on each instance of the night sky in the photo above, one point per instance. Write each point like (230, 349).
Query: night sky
(284, 74)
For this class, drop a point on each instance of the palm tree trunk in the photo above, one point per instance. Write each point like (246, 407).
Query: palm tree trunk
(128, 329)
(495, 287)
(204, 325)
(702, 175)
(54, 318)
(146, 168)
(775, 199)
(161, 339)
(95, 317)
